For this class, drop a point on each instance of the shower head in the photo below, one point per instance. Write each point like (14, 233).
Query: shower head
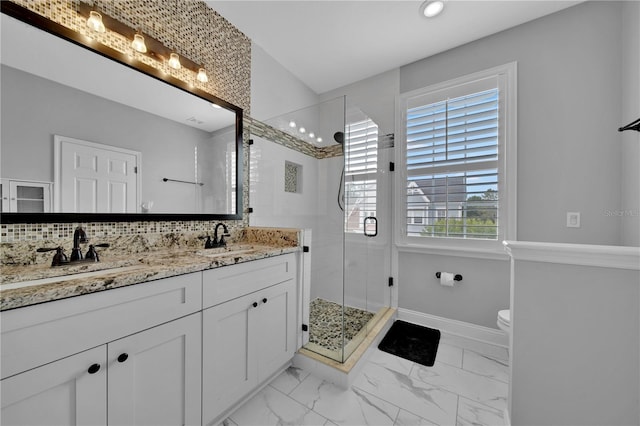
(339, 137)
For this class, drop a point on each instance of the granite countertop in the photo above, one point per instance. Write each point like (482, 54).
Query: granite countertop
(80, 278)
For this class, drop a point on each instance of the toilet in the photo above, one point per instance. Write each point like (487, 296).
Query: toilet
(504, 320)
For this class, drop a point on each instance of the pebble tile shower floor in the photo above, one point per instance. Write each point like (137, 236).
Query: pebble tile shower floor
(325, 323)
(468, 385)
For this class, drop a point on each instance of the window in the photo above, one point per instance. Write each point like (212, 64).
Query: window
(455, 182)
(361, 165)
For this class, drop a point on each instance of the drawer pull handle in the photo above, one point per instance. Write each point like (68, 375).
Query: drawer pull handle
(264, 300)
(255, 304)
(94, 368)
(123, 357)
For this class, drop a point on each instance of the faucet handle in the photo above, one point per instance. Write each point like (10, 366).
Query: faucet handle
(59, 258)
(92, 254)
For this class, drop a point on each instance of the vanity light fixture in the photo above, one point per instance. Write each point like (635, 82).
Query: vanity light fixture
(431, 8)
(202, 75)
(174, 61)
(95, 22)
(138, 44)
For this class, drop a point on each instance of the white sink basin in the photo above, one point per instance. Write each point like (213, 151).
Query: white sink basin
(70, 277)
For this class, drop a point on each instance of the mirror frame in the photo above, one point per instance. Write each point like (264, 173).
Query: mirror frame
(22, 14)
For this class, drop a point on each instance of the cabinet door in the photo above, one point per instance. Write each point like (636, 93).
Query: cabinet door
(276, 322)
(29, 197)
(229, 371)
(71, 391)
(154, 375)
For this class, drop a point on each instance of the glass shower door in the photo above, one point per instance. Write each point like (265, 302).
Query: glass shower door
(367, 228)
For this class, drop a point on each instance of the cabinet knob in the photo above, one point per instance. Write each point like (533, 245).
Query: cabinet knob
(264, 300)
(123, 357)
(94, 368)
(254, 304)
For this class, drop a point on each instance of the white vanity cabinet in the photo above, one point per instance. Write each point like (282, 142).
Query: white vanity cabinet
(248, 329)
(70, 391)
(130, 356)
(154, 376)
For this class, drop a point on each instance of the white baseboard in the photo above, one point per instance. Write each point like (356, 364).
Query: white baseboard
(458, 328)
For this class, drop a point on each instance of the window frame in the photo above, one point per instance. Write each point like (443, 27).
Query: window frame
(506, 76)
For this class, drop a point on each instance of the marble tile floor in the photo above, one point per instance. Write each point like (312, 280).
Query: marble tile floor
(468, 385)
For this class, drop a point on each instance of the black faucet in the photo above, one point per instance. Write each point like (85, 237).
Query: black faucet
(79, 237)
(221, 242)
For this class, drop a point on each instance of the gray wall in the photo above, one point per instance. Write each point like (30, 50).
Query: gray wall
(35, 109)
(274, 89)
(569, 109)
(630, 111)
(569, 150)
(575, 345)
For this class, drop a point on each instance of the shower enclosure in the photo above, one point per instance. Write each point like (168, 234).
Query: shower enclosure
(325, 169)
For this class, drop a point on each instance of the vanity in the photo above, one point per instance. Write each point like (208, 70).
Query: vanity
(171, 335)
(182, 339)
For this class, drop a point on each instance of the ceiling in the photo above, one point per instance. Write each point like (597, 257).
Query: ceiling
(328, 44)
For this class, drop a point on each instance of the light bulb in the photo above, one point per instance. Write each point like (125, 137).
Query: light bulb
(292, 124)
(312, 135)
(174, 61)
(95, 22)
(138, 44)
(302, 129)
(202, 75)
(319, 140)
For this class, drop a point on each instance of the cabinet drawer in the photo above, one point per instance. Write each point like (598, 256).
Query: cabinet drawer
(230, 282)
(35, 335)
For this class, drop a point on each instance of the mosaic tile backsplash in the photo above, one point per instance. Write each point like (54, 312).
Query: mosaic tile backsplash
(139, 237)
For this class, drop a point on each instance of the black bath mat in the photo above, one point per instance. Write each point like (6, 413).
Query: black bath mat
(411, 341)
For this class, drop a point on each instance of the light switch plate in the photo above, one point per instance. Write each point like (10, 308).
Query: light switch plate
(573, 219)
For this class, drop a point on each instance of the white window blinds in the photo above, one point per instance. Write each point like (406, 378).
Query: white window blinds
(361, 164)
(452, 165)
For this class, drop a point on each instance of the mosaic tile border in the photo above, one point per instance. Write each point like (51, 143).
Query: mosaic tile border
(15, 232)
(253, 127)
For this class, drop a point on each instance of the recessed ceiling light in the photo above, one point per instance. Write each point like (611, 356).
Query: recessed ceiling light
(431, 8)
(302, 130)
(292, 124)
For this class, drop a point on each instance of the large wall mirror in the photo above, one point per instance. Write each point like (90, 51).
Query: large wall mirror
(89, 136)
